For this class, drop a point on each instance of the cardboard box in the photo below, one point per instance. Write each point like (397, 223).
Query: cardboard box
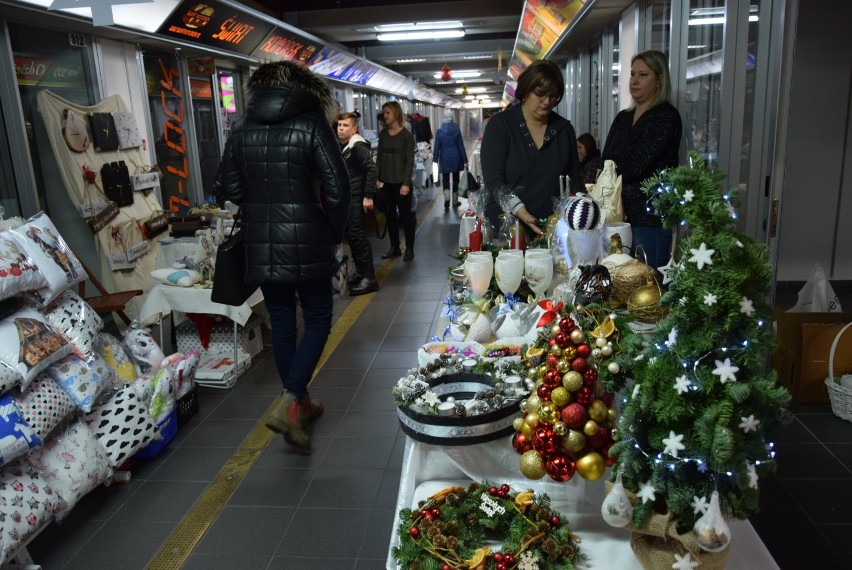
(222, 338)
(218, 370)
(801, 357)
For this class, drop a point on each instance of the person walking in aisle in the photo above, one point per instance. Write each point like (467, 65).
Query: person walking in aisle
(591, 162)
(395, 163)
(451, 157)
(362, 179)
(283, 166)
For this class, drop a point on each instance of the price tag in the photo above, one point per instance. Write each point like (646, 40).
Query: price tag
(77, 40)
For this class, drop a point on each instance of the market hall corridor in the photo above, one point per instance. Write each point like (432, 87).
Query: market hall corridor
(334, 509)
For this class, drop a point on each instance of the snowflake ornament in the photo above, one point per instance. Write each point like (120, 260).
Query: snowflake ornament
(699, 505)
(688, 196)
(746, 306)
(682, 385)
(749, 424)
(702, 256)
(635, 391)
(684, 562)
(752, 476)
(667, 270)
(673, 444)
(646, 492)
(710, 299)
(672, 338)
(528, 561)
(726, 371)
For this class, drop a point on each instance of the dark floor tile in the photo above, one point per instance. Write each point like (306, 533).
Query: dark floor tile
(357, 453)
(59, 542)
(333, 399)
(357, 359)
(377, 538)
(843, 452)
(338, 377)
(239, 406)
(809, 461)
(139, 542)
(825, 501)
(828, 428)
(398, 451)
(370, 564)
(383, 377)
(373, 399)
(102, 503)
(272, 488)
(368, 425)
(794, 432)
(422, 329)
(395, 360)
(838, 535)
(327, 424)
(227, 562)
(253, 531)
(268, 385)
(389, 489)
(408, 344)
(372, 331)
(220, 433)
(193, 464)
(317, 532)
(353, 342)
(154, 502)
(348, 488)
(279, 455)
(290, 563)
(416, 318)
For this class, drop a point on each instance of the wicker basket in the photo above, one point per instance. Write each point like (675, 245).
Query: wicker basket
(840, 396)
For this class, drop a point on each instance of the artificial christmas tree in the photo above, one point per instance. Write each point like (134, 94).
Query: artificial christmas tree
(691, 441)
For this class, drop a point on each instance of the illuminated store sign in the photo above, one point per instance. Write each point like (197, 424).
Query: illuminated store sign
(216, 25)
(47, 73)
(284, 44)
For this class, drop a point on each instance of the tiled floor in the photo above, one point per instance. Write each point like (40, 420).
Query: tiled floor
(334, 508)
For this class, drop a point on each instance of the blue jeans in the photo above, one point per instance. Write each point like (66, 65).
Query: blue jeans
(655, 241)
(296, 363)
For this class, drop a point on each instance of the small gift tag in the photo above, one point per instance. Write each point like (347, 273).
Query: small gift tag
(136, 242)
(100, 220)
(117, 245)
(156, 224)
(145, 181)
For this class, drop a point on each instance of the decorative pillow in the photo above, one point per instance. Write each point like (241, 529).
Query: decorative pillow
(27, 504)
(177, 277)
(113, 354)
(9, 377)
(40, 240)
(44, 405)
(183, 369)
(144, 351)
(73, 316)
(122, 425)
(73, 463)
(16, 437)
(82, 380)
(29, 343)
(157, 391)
(18, 273)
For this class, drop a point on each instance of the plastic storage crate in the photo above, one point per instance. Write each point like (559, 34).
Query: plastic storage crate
(187, 405)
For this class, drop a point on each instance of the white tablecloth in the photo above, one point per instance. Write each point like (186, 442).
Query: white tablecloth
(172, 249)
(166, 298)
(426, 469)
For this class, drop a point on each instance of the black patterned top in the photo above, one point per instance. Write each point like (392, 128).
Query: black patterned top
(641, 150)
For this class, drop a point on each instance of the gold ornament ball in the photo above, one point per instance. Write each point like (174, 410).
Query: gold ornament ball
(570, 352)
(532, 419)
(590, 428)
(591, 466)
(578, 336)
(597, 411)
(560, 428)
(574, 441)
(612, 415)
(554, 329)
(548, 413)
(572, 380)
(533, 403)
(526, 430)
(563, 366)
(542, 370)
(518, 423)
(532, 465)
(560, 396)
(645, 296)
(555, 350)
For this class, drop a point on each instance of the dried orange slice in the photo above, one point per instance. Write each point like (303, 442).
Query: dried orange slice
(525, 498)
(607, 328)
(478, 559)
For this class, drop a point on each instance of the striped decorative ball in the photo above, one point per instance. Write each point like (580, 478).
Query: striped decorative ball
(583, 214)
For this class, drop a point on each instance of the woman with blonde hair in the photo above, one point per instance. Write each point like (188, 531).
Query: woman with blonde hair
(395, 164)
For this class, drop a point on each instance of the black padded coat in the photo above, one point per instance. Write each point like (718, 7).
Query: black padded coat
(284, 167)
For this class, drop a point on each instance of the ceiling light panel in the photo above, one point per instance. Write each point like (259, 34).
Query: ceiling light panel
(424, 35)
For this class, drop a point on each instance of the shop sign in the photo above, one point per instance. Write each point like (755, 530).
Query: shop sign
(215, 25)
(47, 73)
(200, 89)
(283, 44)
(30, 70)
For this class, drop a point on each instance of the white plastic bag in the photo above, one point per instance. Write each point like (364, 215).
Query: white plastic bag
(817, 296)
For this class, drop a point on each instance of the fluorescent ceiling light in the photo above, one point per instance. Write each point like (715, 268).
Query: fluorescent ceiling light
(488, 56)
(473, 90)
(460, 74)
(412, 60)
(714, 20)
(424, 35)
(418, 26)
(689, 47)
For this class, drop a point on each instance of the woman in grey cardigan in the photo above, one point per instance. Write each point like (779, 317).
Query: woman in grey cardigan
(395, 163)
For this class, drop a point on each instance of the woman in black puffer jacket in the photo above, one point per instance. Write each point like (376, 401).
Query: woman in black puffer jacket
(283, 166)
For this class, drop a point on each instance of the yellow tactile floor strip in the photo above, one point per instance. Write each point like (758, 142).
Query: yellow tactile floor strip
(191, 529)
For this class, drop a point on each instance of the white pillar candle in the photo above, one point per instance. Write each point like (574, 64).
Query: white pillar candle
(468, 364)
(446, 409)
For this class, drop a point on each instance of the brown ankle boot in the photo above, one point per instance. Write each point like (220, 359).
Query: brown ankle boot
(286, 420)
(309, 410)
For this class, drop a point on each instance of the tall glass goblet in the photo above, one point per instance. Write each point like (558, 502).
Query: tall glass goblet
(478, 274)
(539, 272)
(509, 270)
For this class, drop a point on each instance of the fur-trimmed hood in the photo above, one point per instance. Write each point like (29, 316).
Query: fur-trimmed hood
(284, 89)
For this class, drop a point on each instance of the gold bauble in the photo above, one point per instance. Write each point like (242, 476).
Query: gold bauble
(533, 403)
(591, 466)
(574, 441)
(578, 336)
(644, 303)
(628, 277)
(548, 413)
(532, 419)
(532, 465)
(612, 415)
(563, 366)
(518, 423)
(597, 411)
(590, 428)
(569, 352)
(526, 430)
(554, 329)
(560, 428)
(560, 396)
(573, 380)
(555, 350)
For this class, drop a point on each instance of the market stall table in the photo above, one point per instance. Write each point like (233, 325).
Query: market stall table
(427, 469)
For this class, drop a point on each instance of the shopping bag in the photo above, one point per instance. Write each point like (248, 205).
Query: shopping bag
(472, 184)
(607, 191)
(229, 286)
(463, 182)
(817, 296)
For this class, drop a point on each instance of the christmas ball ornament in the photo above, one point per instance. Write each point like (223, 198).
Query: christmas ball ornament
(549, 413)
(575, 416)
(590, 428)
(596, 353)
(555, 350)
(711, 532)
(544, 391)
(560, 396)
(553, 378)
(617, 510)
(577, 336)
(591, 466)
(562, 339)
(629, 277)
(552, 361)
(559, 467)
(414, 532)
(601, 341)
(532, 419)
(533, 403)
(566, 325)
(570, 352)
(644, 303)
(521, 444)
(584, 396)
(564, 365)
(600, 439)
(578, 364)
(560, 428)
(572, 380)
(517, 423)
(612, 415)
(590, 376)
(574, 441)
(584, 350)
(607, 350)
(532, 465)
(555, 329)
(545, 441)
(598, 411)
(583, 213)
(527, 430)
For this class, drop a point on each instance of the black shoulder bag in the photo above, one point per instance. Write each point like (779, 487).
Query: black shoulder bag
(229, 285)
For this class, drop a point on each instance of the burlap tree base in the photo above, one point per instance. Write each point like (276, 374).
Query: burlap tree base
(657, 545)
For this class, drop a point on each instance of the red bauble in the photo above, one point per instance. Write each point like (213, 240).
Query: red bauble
(552, 361)
(591, 375)
(566, 325)
(446, 567)
(584, 350)
(606, 398)
(555, 520)
(551, 342)
(559, 467)
(502, 566)
(509, 559)
(562, 340)
(505, 487)
(600, 440)
(544, 391)
(585, 396)
(574, 415)
(545, 441)
(578, 364)
(521, 445)
(498, 557)
(414, 532)
(436, 513)
(553, 378)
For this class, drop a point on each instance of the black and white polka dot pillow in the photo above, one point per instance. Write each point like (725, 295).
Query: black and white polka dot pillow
(80, 323)
(44, 405)
(122, 425)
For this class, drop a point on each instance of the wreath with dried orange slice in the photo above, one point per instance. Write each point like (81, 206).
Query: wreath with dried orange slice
(449, 530)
